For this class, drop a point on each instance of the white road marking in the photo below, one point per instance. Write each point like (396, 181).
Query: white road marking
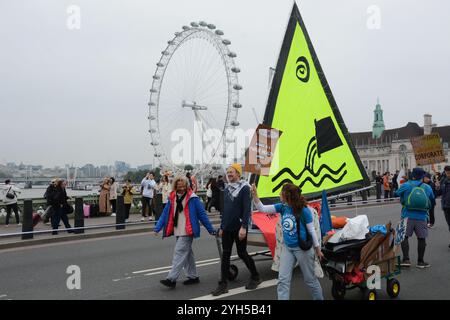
(198, 263)
(233, 292)
(198, 266)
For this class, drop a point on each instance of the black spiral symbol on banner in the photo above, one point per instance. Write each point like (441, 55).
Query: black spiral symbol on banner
(302, 71)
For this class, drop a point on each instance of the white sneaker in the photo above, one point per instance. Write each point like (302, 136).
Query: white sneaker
(142, 219)
(150, 219)
(19, 224)
(126, 220)
(113, 215)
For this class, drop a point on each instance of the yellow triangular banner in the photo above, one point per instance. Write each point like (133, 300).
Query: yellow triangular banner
(315, 151)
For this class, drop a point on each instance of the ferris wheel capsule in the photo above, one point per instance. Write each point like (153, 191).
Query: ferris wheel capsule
(203, 24)
(211, 26)
(235, 70)
(237, 87)
(194, 24)
(219, 32)
(232, 54)
(226, 42)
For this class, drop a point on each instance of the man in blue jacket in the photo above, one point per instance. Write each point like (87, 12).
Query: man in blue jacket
(416, 198)
(443, 189)
(181, 217)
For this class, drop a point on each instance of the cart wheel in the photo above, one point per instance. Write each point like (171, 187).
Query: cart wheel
(370, 294)
(393, 288)
(338, 290)
(233, 273)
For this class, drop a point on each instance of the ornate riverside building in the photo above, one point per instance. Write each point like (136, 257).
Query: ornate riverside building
(383, 150)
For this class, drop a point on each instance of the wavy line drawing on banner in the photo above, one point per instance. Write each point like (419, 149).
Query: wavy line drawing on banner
(316, 178)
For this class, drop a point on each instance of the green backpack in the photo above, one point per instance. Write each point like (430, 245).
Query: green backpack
(418, 200)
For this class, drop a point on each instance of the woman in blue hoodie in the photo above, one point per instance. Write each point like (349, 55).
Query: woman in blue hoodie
(292, 208)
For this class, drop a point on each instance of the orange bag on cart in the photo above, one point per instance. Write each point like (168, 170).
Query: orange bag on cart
(338, 222)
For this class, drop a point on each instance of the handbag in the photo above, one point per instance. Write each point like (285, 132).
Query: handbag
(68, 208)
(10, 195)
(305, 245)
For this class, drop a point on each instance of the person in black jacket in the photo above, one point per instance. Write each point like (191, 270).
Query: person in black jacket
(236, 217)
(58, 201)
(443, 189)
(427, 179)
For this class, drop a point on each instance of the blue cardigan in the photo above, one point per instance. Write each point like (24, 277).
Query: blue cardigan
(197, 213)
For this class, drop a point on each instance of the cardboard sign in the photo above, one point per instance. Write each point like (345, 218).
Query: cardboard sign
(261, 150)
(428, 149)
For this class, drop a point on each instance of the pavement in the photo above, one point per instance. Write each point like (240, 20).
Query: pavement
(96, 228)
(130, 266)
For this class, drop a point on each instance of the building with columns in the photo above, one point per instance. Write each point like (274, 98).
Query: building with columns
(383, 150)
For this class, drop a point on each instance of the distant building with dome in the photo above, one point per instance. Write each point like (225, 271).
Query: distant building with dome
(383, 150)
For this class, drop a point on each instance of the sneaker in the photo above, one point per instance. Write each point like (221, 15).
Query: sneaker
(252, 284)
(113, 215)
(7, 225)
(191, 281)
(150, 219)
(19, 224)
(423, 265)
(168, 283)
(142, 219)
(126, 220)
(221, 289)
(431, 226)
(405, 263)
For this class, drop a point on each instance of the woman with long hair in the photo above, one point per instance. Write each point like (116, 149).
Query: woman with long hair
(103, 201)
(300, 240)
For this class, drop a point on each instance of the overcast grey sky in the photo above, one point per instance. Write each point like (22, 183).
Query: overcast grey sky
(79, 96)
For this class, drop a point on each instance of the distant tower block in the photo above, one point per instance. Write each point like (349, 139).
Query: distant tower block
(378, 123)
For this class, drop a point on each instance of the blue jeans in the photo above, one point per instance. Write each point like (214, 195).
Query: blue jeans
(305, 259)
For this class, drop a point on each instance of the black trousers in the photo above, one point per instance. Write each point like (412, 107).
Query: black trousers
(113, 205)
(127, 210)
(387, 194)
(14, 208)
(447, 216)
(58, 215)
(228, 238)
(146, 206)
(431, 214)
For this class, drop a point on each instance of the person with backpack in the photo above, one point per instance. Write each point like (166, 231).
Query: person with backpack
(10, 199)
(443, 189)
(300, 240)
(416, 198)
